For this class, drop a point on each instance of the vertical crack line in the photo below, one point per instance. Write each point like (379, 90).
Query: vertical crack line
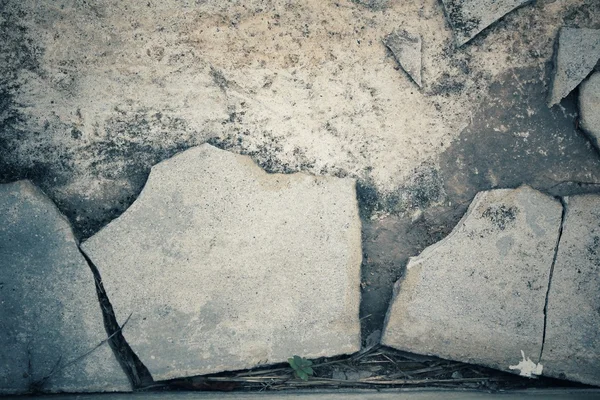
(560, 232)
(136, 371)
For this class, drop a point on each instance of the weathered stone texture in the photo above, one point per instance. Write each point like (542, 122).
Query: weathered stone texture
(589, 107)
(226, 267)
(572, 347)
(576, 55)
(49, 311)
(469, 17)
(478, 295)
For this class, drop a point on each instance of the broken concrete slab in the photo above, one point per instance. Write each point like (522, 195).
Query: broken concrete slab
(469, 17)
(49, 309)
(478, 295)
(572, 345)
(406, 48)
(589, 107)
(227, 267)
(576, 54)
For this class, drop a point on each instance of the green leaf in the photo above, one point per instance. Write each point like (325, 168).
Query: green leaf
(292, 363)
(308, 370)
(298, 360)
(303, 375)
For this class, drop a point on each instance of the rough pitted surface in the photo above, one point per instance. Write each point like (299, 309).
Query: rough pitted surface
(49, 312)
(469, 17)
(406, 48)
(227, 267)
(576, 55)
(589, 107)
(87, 108)
(572, 348)
(478, 295)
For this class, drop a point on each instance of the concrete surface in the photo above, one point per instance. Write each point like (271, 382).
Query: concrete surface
(478, 295)
(49, 312)
(589, 107)
(577, 52)
(406, 48)
(390, 394)
(469, 17)
(93, 95)
(572, 346)
(97, 93)
(227, 267)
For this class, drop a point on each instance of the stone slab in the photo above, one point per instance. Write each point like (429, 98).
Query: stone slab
(469, 17)
(406, 48)
(227, 267)
(478, 295)
(576, 54)
(49, 311)
(572, 346)
(589, 107)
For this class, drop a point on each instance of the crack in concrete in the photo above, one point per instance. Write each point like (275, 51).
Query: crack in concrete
(560, 232)
(139, 376)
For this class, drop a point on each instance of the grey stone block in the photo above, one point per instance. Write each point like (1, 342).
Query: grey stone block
(572, 346)
(478, 295)
(49, 311)
(589, 107)
(406, 48)
(576, 54)
(469, 17)
(227, 267)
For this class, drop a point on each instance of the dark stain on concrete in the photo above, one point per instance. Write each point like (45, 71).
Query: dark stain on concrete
(500, 216)
(513, 139)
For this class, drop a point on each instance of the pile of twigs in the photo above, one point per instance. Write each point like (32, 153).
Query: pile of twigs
(375, 367)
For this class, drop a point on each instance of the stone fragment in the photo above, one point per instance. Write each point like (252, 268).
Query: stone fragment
(572, 345)
(406, 48)
(576, 54)
(478, 295)
(469, 17)
(227, 267)
(49, 310)
(589, 108)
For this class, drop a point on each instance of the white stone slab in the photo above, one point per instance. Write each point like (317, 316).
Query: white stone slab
(226, 267)
(572, 346)
(478, 295)
(576, 54)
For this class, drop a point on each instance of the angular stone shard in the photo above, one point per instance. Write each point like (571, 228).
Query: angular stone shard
(572, 346)
(469, 17)
(49, 311)
(406, 48)
(478, 295)
(589, 108)
(576, 54)
(226, 267)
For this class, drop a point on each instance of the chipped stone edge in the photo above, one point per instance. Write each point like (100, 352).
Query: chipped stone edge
(527, 368)
(68, 231)
(461, 40)
(246, 160)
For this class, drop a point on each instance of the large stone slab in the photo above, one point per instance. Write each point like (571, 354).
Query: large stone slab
(478, 295)
(406, 48)
(576, 54)
(589, 107)
(469, 17)
(49, 311)
(226, 267)
(572, 346)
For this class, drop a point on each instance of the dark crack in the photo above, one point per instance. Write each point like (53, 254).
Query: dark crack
(136, 371)
(560, 231)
